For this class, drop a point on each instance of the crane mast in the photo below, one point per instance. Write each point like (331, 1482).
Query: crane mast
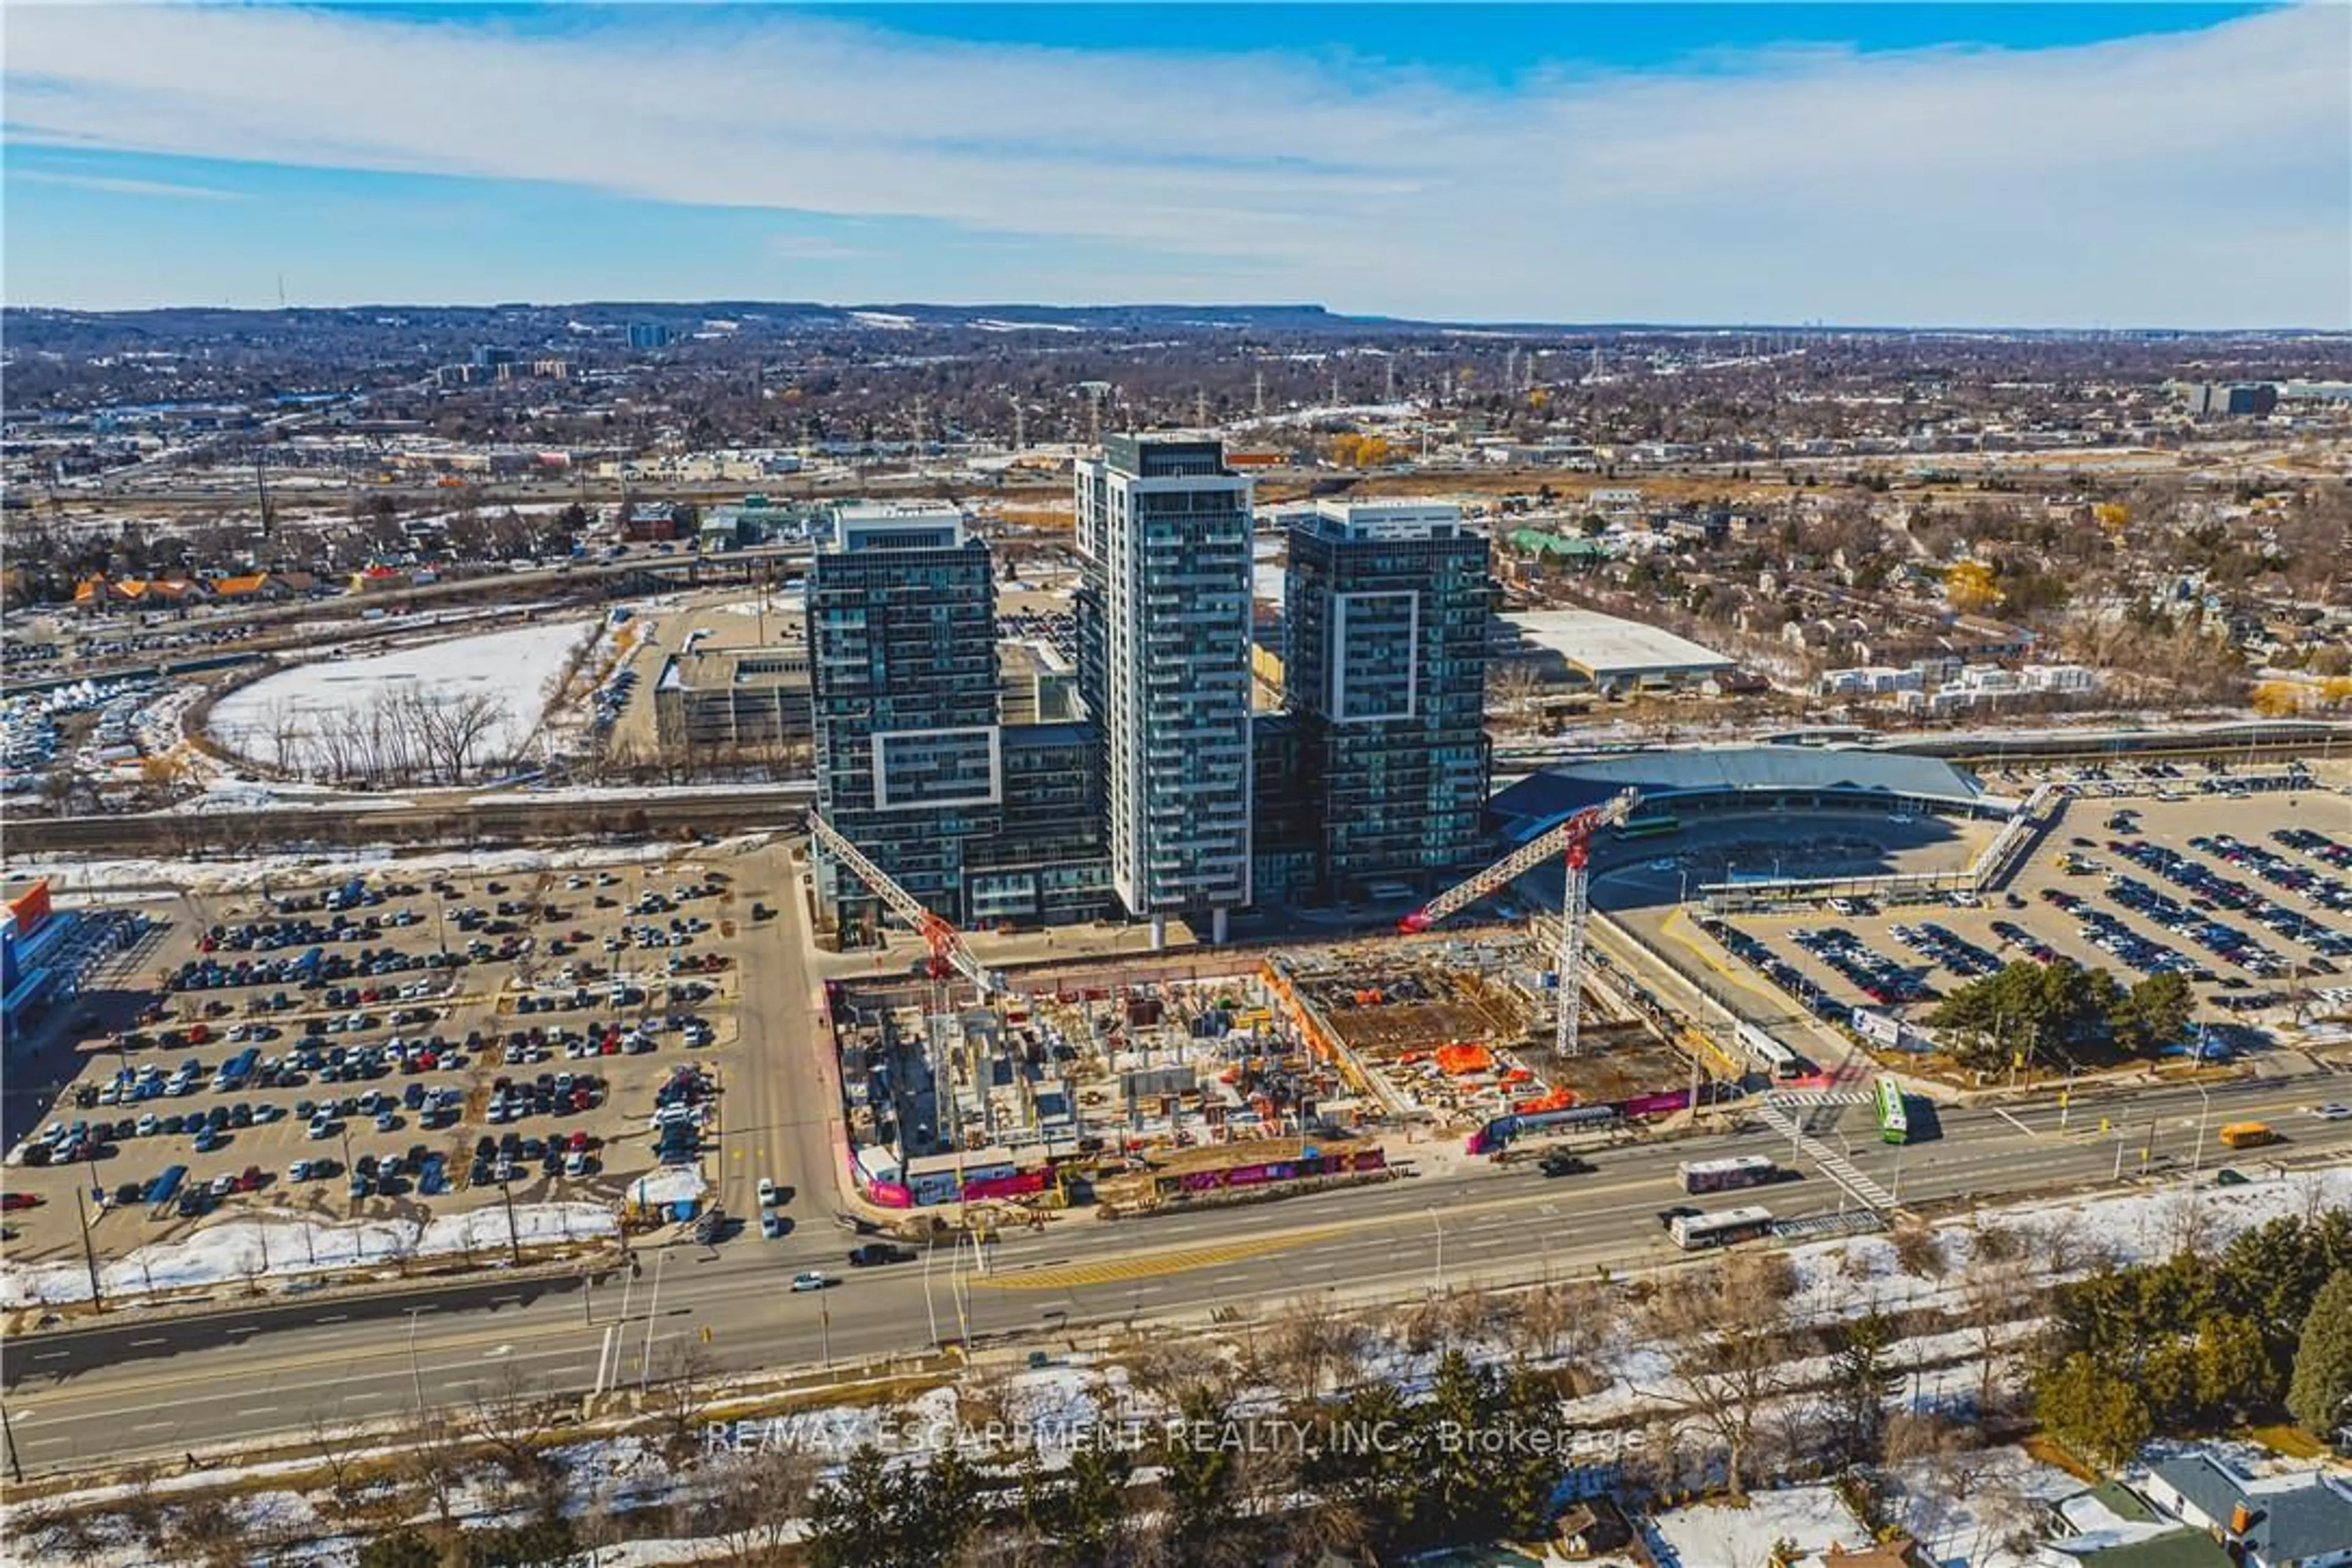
(948, 956)
(1572, 839)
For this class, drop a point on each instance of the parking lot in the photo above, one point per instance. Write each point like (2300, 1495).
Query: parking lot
(404, 1045)
(2248, 892)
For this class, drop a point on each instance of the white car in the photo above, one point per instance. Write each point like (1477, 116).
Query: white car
(767, 1191)
(812, 1280)
(2334, 1110)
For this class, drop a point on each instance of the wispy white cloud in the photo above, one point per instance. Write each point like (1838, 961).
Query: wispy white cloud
(2197, 176)
(820, 247)
(128, 188)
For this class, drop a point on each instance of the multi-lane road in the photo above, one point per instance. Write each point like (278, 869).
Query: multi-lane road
(166, 1385)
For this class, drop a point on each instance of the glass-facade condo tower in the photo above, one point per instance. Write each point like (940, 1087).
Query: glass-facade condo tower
(1385, 663)
(902, 648)
(1163, 530)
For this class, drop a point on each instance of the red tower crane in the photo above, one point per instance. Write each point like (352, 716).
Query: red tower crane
(1573, 839)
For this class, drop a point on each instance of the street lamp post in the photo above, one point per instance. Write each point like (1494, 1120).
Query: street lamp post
(653, 1315)
(2204, 1109)
(1437, 1225)
(930, 1313)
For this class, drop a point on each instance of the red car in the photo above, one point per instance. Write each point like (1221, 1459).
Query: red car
(12, 1202)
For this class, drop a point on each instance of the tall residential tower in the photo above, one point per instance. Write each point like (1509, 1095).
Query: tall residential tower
(902, 647)
(1385, 622)
(1163, 530)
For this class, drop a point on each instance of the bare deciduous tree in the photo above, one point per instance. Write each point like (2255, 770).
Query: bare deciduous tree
(1728, 1337)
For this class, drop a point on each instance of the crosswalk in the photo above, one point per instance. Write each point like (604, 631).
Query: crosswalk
(1774, 1112)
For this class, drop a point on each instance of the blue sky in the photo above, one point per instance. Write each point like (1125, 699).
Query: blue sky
(2100, 165)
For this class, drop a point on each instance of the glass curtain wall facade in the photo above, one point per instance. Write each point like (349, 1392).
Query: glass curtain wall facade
(1385, 668)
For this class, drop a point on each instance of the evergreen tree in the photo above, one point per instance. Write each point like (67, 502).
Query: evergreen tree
(1197, 1475)
(1366, 1461)
(1525, 1468)
(936, 1513)
(1462, 1400)
(2320, 1397)
(1093, 1513)
(2099, 1414)
(855, 1521)
(2234, 1368)
(1862, 1380)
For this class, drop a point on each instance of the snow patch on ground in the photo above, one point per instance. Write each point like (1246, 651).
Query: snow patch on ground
(1713, 1535)
(70, 879)
(277, 1246)
(1966, 1510)
(1845, 1279)
(514, 666)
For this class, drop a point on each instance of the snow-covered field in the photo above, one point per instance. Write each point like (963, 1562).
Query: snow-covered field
(513, 668)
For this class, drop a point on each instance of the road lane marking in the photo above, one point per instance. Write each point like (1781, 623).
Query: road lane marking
(155, 1340)
(2013, 1122)
(1145, 1265)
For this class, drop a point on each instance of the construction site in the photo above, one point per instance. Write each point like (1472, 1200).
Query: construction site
(968, 1085)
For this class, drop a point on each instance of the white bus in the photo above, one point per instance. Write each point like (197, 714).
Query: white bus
(1722, 1176)
(1771, 1058)
(1721, 1227)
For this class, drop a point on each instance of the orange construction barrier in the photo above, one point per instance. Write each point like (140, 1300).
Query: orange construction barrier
(1460, 1059)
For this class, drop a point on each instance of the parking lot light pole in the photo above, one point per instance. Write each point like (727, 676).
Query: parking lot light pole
(514, 1235)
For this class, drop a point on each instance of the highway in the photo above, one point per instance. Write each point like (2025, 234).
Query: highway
(166, 1385)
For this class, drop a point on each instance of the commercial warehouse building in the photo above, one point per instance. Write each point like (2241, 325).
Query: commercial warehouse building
(1612, 655)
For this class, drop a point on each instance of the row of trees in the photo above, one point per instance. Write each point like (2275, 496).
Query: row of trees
(2198, 1342)
(2031, 1013)
(399, 735)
